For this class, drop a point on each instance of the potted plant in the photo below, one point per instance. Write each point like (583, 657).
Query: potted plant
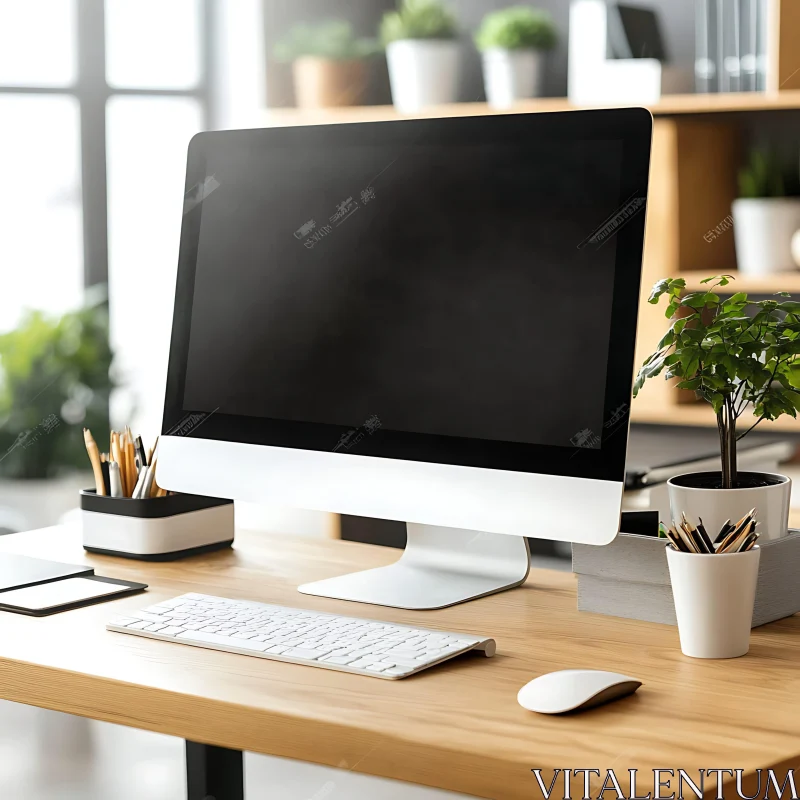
(512, 42)
(422, 54)
(328, 63)
(734, 353)
(765, 216)
(54, 380)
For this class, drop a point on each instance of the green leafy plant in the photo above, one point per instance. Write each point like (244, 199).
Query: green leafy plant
(54, 380)
(765, 176)
(733, 352)
(334, 40)
(418, 19)
(517, 28)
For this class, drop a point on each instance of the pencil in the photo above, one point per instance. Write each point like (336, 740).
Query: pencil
(701, 530)
(141, 456)
(150, 473)
(130, 455)
(94, 458)
(116, 451)
(724, 531)
(113, 479)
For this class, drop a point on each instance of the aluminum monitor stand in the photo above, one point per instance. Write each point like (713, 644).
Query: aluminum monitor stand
(439, 567)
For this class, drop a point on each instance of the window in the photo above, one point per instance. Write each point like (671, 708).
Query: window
(98, 101)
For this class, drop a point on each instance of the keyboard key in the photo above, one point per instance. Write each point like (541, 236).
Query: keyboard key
(213, 638)
(172, 630)
(300, 652)
(406, 662)
(155, 627)
(123, 621)
(402, 653)
(143, 615)
(362, 651)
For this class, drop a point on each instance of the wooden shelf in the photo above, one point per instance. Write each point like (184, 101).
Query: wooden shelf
(754, 284)
(669, 105)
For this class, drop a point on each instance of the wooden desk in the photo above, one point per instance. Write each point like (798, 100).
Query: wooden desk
(456, 726)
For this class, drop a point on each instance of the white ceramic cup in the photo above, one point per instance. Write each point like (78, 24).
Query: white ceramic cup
(714, 596)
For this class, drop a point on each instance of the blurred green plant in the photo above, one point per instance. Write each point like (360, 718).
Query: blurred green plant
(334, 40)
(517, 28)
(418, 19)
(765, 176)
(54, 381)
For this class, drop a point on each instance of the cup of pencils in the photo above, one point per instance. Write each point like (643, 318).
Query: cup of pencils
(128, 514)
(714, 583)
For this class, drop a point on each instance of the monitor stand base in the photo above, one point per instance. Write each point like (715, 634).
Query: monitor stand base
(439, 567)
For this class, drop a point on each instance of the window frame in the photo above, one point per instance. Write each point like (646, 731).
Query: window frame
(92, 92)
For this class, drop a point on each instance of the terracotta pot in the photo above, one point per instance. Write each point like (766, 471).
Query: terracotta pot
(327, 83)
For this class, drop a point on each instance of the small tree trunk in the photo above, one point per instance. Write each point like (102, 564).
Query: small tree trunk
(726, 424)
(732, 466)
(723, 447)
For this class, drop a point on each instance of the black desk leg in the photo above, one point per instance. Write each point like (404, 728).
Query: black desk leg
(213, 773)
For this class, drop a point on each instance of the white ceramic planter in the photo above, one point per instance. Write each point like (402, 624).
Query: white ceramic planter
(511, 75)
(763, 229)
(714, 597)
(715, 506)
(423, 72)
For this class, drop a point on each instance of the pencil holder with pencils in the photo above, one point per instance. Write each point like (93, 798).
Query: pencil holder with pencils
(155, 528)
(714, 582)
(128, 514)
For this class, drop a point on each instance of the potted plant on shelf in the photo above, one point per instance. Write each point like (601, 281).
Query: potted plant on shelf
(329, 63)
(54, 380)
(512, 42)
(735, 354)
(422, 53)
(765, 216)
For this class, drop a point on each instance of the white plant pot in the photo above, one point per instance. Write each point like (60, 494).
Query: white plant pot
(714, 596)
(715, 506)
(511, 75)
(423, 72)
(763, 229)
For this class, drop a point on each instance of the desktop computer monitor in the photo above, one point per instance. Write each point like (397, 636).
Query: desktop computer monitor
(422, 320)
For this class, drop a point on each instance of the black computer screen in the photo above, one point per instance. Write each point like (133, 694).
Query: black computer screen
(441, 290)
(459, 290)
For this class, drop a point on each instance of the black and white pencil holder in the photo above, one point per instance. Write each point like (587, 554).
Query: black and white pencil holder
(155, 528)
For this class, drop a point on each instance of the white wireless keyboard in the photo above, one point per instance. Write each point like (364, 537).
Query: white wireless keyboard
(363, 646)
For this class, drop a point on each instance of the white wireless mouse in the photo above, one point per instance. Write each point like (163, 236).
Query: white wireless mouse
(573, 689)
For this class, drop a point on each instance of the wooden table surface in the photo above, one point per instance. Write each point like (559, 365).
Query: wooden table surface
(456, 726)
